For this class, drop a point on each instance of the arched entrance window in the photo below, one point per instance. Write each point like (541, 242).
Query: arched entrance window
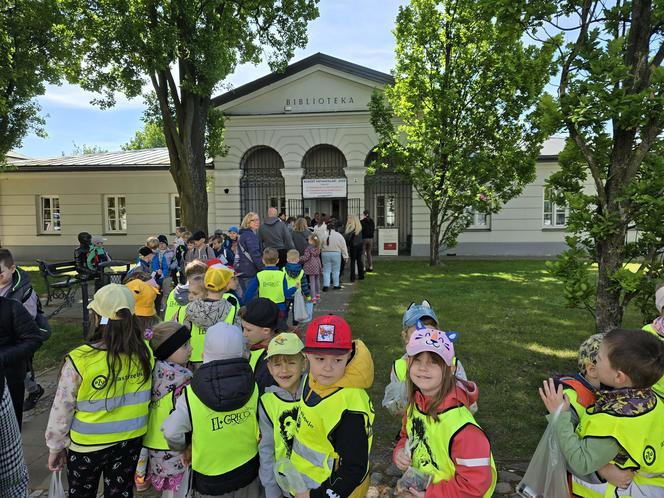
(262, 185)
(389, 199)
(325, 162)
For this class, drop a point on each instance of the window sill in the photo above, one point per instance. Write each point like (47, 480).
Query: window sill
(114, 233)
(477, 229)
(554, 229)
(49, 234)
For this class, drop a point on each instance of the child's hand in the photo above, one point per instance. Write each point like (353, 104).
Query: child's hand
(57, 461)
(412, 492)
(618, 477)
(402, 459)
(553, 397)
(185, 457)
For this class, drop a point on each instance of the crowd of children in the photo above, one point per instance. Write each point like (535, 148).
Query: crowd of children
(225, 399)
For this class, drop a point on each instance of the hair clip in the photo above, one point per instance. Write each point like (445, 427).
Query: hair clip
(104, 320)
(148, 334)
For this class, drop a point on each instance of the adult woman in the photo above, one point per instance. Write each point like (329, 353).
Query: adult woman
(250, 261)
(333, 249)
(353, 236)
(300, 235)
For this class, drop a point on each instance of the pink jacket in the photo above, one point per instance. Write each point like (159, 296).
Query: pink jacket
(311, 261)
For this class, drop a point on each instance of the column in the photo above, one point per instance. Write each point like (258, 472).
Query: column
(292, 173)
(227, 198)
(421, 229)
(355, 176)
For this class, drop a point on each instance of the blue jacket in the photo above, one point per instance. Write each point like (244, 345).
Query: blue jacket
(293, 270)
(252, 262)
(252, 289)
(228, 252)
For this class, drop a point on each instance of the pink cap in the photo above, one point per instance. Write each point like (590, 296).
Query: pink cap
(433, 341)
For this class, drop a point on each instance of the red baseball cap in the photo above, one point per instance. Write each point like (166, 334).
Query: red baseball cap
(328, 334)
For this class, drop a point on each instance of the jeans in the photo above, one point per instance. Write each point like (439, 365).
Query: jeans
(356, 258)
(331, 266)
(368, 248)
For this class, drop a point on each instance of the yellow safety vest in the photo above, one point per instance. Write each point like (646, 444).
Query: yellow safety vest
(108, 414)
(255, 356)
(283, 417)
(271, 285)
(659, 385)
(197, 337)
(642, 438)
(292, 281)
(172, 307)
(431, 440)
(400, 369)
(235, 303)
(159, 411)
(222, 441)
(313, 455)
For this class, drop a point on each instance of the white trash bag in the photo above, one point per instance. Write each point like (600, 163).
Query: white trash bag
(546, 475)
(288, 478)
(396, 398)
(299, 308)
(55, 489)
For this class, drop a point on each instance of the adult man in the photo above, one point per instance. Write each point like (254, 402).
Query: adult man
(19, 339)
(274, 233)
(368, 229)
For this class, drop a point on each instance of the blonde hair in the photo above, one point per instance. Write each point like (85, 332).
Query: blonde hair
(293, 254)
(246, 221)
(270, 255)
(300, 225)
(313, 236)
(152, 242)
(196, 267)
(353, 224)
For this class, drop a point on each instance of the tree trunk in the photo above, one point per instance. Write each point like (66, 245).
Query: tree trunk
(434, 236)
(608, 309)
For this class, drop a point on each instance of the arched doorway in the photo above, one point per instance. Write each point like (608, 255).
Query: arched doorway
(388, 198)
(324, 188)
(262, 185)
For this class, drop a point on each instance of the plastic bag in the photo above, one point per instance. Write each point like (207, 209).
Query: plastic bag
(299, 309)
(309, 305)
(395, 398)
(288, 478)
(413, 478)
(546, 475)
(55, 489)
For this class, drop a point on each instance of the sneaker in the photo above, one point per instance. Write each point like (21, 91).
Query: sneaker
(325, 289)
(31, 401)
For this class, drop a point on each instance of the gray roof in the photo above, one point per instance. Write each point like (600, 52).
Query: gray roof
(156, 159)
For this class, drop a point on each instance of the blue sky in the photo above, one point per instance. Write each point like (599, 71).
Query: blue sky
(357, 31)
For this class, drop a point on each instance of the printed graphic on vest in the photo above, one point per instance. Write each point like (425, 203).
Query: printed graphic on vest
(419, 446)
(99, 382)
(218, 423)
(325, 333)
(649, 455)
(288, 427)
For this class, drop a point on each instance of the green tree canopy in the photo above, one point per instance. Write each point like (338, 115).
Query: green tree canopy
(185, 48)
(462, 120)
(150, 137)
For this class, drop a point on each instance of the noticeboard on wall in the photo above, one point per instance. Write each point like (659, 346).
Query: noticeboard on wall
(324, 188)
(388, 241)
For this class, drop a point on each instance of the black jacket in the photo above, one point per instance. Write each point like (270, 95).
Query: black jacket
(21, 290)
(225, 385)
(368, 228)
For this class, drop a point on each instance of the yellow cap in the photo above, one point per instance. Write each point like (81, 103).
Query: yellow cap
(145, 295)
(286, 343)
(112, 298)
(217, 277)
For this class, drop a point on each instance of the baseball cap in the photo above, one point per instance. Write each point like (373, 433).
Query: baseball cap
(328, 334)
(224, 341)
(431, 340)
(416, 312)
(233, 229)
(588, 352)
(261, 312)
(144, 294)
(286, 343)
(98, 239)
(112, 298)
(217, 277)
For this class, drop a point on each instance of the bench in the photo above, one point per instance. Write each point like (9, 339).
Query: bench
(61, 281)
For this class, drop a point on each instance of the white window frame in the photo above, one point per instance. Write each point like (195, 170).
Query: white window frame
(551, 210)
(55, 228)
(176, 212)
(385, 210)
(478, 217)
(107, 219)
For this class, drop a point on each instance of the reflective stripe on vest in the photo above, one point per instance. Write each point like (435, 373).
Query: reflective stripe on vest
(431, 440)
(222, 441)
(659, 385)
(292, 281)
(401, 369)
(103, 414)
(159, 411)
(313, 455)
(172, 307)
(271, 285)
(197, 338)
(641, 437)
(255, 356)
(235, 307)
(283, 416)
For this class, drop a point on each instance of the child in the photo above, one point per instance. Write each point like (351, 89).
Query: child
(657, 328)
(625, 424)
(145, 310)
(439, 436)
(179, 296)
(271, 283)
(278, 407)
(260, 321)
(335, 417)
(218, 410)
(217, 244)
(97, 254)
(144, 262)
(200, 314)
(230, 244)
(294, 273)
(100, 410)
(200, 250)
(416, 316)
(170, 343)
(312, 265)
(163, 262)
(180, 249)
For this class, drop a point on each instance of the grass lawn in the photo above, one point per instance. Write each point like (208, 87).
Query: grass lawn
(514, 332)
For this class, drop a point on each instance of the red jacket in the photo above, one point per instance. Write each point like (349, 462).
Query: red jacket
(468, 449)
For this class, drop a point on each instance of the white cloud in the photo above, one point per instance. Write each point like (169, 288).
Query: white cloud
(67, 95)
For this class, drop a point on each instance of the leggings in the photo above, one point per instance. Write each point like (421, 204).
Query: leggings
(314, 285)
(117, 463)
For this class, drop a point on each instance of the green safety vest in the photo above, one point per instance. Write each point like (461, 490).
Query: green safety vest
(659, 385)
(271, 285)
(400, 369)
(642, 438)
(292, 281)
(197, 337)
(159, 411)
(313, 454)
(103, 414)
(222, 441)
(431, 440)
(235, 303)
(172, 307)
(255, 356)
(283, 417)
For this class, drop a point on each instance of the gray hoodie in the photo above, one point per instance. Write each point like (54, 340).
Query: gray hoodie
(205, 313)
(274, 233)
